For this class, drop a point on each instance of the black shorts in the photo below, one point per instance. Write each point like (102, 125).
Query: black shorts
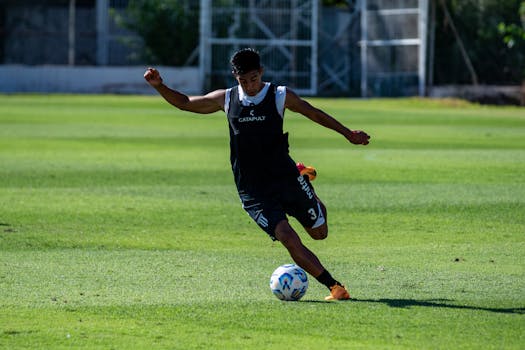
(292, 196)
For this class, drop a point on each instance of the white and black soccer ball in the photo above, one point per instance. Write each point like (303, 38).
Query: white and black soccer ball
(289, 282)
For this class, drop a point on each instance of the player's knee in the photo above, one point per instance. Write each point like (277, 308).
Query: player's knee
(286, 235)
(319, 233)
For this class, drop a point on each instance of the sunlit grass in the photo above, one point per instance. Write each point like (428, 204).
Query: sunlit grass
(120, 227)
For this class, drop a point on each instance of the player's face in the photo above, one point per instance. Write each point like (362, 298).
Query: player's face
(251, 82)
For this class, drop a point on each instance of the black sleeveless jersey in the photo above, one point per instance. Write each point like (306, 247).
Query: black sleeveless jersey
(258, 147)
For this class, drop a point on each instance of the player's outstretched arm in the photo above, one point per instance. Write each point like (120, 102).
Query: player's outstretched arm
(297, 104)
(209, 103)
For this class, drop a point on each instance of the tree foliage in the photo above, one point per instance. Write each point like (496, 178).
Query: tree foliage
(492, 32)
(168, 28)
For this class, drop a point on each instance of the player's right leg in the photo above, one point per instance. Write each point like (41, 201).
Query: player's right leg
(303, 203)
(309, 171)
(319, 231)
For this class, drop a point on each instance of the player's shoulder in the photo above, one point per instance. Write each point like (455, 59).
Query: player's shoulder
(288, 89)
(214, 97)
(217, 93)
(280, 92)
(290, 94)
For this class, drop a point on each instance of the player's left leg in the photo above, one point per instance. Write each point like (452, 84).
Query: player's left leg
(303, 256)
(306, 259)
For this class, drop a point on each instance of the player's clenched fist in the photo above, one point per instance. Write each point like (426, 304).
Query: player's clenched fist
(153, 77)
(358, 137)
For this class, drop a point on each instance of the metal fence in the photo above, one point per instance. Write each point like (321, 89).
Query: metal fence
(46, 32)
(284, 33)
(374, 48)
(393, 47)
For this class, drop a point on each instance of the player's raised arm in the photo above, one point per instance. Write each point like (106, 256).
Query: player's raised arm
(209, 103)
(297, 104)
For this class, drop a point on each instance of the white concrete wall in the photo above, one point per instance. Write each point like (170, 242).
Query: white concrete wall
(90, 79)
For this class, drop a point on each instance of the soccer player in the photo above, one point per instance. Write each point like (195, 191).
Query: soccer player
(268, 181)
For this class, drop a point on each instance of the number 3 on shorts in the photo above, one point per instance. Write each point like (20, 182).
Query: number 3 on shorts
(313, 214)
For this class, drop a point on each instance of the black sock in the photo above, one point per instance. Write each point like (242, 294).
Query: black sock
(326, 278)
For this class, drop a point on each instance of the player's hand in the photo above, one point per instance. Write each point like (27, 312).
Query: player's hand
(358, 137)
(153, 77)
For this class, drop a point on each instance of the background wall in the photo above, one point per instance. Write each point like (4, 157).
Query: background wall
(92, 79)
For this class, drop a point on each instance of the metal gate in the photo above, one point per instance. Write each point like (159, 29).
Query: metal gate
(284, 33)
(393, 47)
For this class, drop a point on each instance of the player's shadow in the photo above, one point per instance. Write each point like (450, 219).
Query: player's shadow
(439, 303)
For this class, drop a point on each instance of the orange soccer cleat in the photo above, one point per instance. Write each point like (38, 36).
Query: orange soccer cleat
(338, 292)
(307, 170)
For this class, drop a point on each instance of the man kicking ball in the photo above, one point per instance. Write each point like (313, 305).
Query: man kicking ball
(255, 113)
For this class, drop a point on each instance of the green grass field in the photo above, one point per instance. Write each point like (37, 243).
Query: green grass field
(120, 228)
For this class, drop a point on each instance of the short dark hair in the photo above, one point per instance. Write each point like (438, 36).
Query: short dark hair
(245, 60)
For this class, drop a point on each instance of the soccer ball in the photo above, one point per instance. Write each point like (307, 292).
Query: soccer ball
(289, 282)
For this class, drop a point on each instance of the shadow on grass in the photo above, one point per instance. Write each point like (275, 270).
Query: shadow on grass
(439, 303)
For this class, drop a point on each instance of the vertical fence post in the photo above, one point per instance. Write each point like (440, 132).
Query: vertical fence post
(364, 38)
(102, 31)
(204, 46)
(71, 33)
(423, 20)
(315, 47)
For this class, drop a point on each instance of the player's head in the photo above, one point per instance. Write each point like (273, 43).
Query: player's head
(244, 61)
(247, 70)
